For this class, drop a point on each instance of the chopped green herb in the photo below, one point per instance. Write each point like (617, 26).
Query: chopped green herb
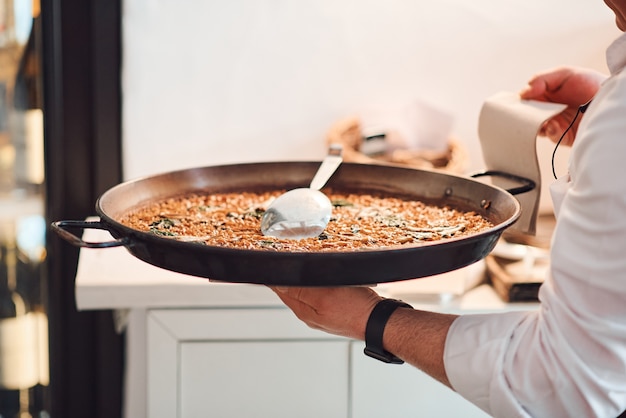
(165, 223)
(270, 244)
(392, 221)
(162, 233)
(207, 208)
(257, 213)
(341, 202)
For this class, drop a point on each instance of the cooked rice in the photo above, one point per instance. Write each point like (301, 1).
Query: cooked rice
(359, 221)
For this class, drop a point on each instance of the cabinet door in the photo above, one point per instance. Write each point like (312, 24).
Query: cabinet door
(243, 363)
(400, 391)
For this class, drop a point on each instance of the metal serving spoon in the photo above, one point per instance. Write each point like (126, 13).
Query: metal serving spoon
(303, 212)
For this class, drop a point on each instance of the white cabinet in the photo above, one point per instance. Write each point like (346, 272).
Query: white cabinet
(265, 363)
(243, 363)
(401, 391)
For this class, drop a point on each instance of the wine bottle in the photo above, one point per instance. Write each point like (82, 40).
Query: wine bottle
(18, 339)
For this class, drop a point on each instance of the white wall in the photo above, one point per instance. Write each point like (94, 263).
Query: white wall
(209, 82)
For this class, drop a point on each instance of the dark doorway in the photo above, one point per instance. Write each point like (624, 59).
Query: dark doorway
(81, 79)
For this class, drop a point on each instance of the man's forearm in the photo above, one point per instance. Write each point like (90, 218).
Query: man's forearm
(418, 338)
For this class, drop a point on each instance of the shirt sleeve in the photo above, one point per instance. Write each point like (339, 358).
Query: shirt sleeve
(569, 357)
(474, 356)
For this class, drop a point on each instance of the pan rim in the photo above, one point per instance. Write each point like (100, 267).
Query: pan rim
(370, 251)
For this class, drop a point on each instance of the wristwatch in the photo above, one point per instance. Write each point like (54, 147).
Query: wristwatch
(376, 326)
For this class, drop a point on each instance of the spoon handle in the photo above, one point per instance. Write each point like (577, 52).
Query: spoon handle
(328, 166)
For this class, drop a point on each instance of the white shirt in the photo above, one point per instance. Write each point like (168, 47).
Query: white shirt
(568, 359)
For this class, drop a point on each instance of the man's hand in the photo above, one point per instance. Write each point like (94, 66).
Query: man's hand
(339, 310)
(566, 85)
(417, 337)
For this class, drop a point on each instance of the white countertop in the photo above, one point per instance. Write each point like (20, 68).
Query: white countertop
(112, 278)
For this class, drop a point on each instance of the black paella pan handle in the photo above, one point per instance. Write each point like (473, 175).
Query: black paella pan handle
(62, 228)
(527, 184)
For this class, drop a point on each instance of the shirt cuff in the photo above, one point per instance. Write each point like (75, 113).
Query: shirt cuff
(474, 357)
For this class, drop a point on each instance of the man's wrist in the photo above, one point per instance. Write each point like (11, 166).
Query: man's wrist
(375, 328)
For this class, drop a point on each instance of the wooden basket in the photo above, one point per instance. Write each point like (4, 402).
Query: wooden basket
(348, 133)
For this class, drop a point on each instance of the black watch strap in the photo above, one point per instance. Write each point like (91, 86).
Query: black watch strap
(376, 326)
